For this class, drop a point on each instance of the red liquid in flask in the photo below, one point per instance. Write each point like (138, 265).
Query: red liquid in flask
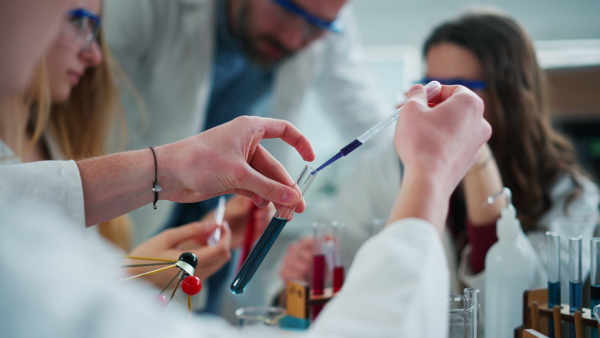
(338, 278)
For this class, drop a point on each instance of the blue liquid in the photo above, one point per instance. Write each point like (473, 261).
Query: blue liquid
(595, 300)
(553, 299)
(257, 255)
(575, 296)
(343, 152)
(575, 301)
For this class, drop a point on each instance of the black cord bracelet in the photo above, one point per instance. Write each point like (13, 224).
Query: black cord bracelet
(155, 186)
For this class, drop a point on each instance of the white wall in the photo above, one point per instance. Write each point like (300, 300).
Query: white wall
(394, 22)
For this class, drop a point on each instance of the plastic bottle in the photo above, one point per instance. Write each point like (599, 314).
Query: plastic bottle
(506, 277)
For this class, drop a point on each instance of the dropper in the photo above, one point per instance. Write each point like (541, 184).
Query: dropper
(432, 88)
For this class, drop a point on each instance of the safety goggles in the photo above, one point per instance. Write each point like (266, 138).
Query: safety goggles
(84, 26)
(314, 21)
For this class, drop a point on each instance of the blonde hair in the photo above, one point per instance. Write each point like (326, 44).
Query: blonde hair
(36, 101)
(82, 124)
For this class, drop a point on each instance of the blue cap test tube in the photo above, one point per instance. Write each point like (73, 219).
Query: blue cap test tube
(595, 277)
(575, 277)
(553, 246)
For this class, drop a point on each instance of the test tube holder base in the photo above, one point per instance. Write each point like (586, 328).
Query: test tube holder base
(535, 308)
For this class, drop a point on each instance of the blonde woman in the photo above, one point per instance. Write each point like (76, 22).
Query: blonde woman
(67, 112)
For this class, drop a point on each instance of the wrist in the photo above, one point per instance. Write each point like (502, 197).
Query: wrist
(165, 176)
(423, 195)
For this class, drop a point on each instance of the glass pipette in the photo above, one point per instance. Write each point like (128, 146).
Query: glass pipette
(432, 88)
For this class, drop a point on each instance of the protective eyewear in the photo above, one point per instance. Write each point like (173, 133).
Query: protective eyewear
(85, 25)
(333, 26)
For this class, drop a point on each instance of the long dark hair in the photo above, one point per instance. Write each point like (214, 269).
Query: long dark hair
(529, 152)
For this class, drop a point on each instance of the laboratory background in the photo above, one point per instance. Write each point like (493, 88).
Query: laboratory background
(566, 35)
(515, 262)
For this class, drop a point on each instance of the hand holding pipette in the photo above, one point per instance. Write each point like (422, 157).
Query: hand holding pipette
(433, 88)
(219, 214)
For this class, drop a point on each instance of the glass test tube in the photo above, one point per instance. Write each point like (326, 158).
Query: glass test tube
(337, 231)
(266, 240)
(575, 277)
(553, 246)
(319, 269)
(595, 277)
(472, 320)
(318, 284)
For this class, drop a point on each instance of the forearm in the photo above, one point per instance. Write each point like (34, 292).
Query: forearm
(420, 196)
(116, 184)
(482, 181)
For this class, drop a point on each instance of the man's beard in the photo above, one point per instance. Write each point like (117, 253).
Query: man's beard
(243, 32)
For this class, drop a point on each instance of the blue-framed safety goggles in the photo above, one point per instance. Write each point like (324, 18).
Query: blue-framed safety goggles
(471, 84)
(84, 13)
(86, 25)
(334, 26)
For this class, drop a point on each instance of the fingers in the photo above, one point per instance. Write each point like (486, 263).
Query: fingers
(198, 231)
(289, 134)
(268, 189)
(212, 258)
(297, 263)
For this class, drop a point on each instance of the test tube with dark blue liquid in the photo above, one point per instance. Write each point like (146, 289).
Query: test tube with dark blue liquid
(575, 278)
(595, 277)
(553, 245)
(266, 240)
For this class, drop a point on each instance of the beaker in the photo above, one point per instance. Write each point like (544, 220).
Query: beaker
(259, 318)
(464, 314)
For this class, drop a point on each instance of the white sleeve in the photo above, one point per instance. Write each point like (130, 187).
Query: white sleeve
(55, 183)
(397, 284)
(54, 284)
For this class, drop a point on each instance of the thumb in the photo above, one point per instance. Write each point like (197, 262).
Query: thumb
(417, 93)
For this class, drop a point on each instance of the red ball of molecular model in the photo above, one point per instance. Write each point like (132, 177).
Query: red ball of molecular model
(191, 285)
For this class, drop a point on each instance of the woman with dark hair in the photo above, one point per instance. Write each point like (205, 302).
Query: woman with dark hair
(492, 55)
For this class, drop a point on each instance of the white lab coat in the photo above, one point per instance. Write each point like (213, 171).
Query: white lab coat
(54, 285)
(54, 183)
(167, 47)
(8, 156)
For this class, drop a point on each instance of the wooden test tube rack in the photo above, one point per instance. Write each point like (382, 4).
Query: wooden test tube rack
(536, 315)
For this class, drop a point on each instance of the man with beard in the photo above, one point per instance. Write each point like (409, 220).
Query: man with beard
(196, 64)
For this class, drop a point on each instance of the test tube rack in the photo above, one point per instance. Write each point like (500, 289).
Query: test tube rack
(536, 315)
